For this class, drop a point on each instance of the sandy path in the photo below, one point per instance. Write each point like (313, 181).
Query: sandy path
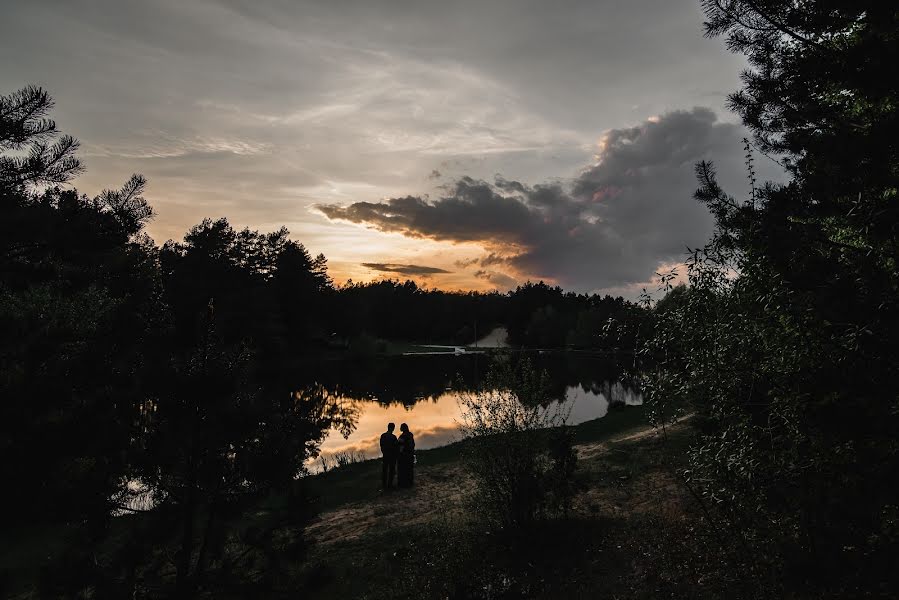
(592, 449)
(439, 491)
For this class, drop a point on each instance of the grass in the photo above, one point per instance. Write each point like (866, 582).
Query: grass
(633, 532)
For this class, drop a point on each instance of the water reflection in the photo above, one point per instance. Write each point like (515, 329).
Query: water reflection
(344, 405)
(411, 379)
(423, 391)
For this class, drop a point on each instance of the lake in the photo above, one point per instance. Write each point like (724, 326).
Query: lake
(422, 390)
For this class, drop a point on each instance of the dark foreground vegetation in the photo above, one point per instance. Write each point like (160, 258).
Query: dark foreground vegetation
(786, 338)
(145, 454)
(632, 530)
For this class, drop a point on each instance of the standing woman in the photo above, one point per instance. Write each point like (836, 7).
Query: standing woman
(406, 462)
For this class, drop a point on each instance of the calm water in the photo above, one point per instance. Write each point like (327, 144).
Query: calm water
(423, 392)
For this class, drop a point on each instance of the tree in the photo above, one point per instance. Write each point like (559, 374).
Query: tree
(785, 343)
(133, 380)
(268, 290)
(26, 130)
(77, 287)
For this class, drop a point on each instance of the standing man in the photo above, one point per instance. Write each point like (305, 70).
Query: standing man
(389, 452)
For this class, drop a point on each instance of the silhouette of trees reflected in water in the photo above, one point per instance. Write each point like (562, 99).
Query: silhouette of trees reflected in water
(340, 391)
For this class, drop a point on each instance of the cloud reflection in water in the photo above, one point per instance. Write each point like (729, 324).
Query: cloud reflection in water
(434, 422)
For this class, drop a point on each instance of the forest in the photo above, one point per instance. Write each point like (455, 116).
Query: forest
(143, 428)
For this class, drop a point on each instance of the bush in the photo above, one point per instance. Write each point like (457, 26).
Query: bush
(519, 450)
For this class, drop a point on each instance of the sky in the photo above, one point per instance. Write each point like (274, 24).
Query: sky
(465, 144)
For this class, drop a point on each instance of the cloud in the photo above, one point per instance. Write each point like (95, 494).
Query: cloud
(500, 280)
(161, 144)
(269, 107)
(610, 226)
(413, 270)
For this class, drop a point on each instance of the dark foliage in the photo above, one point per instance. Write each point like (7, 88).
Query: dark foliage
(518, 449)
(536, 315)
(77, 283)
(786, 339)
(128, 380)
(41, 154)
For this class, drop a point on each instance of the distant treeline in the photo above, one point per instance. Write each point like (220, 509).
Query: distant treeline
(269, 290)
(535, 315)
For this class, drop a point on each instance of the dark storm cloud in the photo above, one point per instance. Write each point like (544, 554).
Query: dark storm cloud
(474, 211)
(411, 270)
(611, 226)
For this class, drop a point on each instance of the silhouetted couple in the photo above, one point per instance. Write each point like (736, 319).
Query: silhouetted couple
(397, 456)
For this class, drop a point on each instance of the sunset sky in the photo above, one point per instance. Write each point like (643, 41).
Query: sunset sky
(467, 144)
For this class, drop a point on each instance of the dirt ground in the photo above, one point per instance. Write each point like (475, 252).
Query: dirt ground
(444, 489)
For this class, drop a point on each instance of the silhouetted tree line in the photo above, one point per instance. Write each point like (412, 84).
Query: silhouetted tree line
(543, 316)
(402, 310)
(535, 315)
(270, 293)
(267, 289)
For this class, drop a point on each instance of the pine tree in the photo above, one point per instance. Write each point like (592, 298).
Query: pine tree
(787, 341)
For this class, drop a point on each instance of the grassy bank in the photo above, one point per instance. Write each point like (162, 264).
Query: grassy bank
(361, 481)
(634, 531)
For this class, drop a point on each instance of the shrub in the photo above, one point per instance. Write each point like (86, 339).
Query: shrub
(519, 450)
